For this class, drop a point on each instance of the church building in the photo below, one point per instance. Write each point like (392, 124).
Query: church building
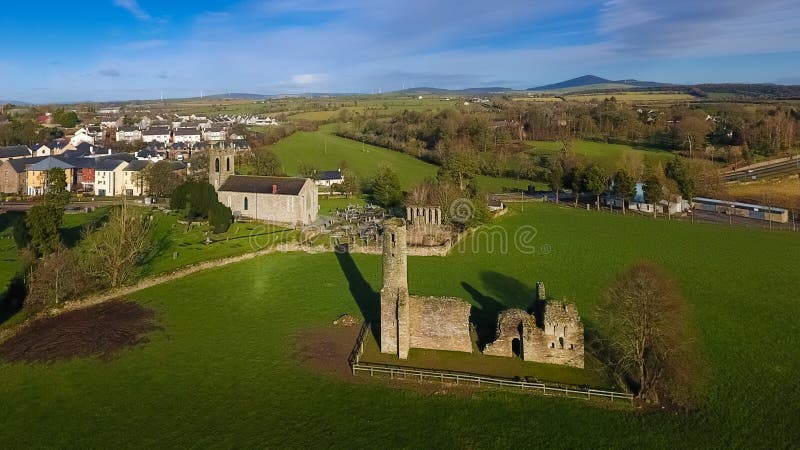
(284, 200)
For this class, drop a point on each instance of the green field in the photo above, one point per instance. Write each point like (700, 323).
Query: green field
(9, 256)
(607, 155)
(225, 370)
(326, 151)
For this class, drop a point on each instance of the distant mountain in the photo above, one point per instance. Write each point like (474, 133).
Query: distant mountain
(13, 102)
(588, 82)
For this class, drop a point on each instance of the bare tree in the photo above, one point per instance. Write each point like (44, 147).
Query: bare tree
(648, 328)
(55, 279)
(112, 253)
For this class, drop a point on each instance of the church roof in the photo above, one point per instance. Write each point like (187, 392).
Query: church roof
(263, 185)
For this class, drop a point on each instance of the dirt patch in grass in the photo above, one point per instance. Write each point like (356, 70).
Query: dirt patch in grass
(326, 349)
(100, 330)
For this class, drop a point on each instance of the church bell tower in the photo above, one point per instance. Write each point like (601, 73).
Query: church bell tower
(220, 166)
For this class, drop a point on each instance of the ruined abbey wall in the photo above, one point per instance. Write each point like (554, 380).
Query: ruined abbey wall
(560, 341)
(439, 323)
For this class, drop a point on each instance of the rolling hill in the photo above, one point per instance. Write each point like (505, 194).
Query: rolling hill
(594, 82)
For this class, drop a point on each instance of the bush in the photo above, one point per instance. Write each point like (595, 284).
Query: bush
(198, 200)
(195, 198)
(220, 217)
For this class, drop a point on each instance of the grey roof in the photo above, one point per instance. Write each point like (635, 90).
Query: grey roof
(128, 129)
(186, 132)
(156, 132)
(329, 175)
(136, 166)
(20, 164)
(108, 164)
(214, 129)
(127, 157)
(263, 185)
(50, 162)
(14, 151)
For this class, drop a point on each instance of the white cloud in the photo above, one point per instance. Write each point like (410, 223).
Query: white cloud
(709, 28)
(132, 6)
(307, 79)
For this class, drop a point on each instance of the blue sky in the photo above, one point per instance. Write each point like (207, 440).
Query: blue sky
(125, 49)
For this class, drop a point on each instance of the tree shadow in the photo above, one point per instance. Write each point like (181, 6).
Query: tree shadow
(9, 218)
(510, 291)
(483, 316)
(367, 299)
(12, 300)
(71, 236)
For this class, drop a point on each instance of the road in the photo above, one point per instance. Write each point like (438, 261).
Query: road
(783, 168)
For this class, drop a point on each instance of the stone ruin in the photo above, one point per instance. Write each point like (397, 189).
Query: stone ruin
(442, 323)
(558, 341)
(410, 321)
(424, 215)
(426, 226)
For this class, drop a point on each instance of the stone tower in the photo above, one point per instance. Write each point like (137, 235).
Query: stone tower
(220, 166)
(394, 308)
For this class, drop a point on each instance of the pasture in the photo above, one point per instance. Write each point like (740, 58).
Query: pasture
(231, 368)
(326, 151)
(609, 156)
(633, 97)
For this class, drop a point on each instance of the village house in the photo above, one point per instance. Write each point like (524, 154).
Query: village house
(214, 134)
(14, 151)
(156, 134)
(41, 150)
(133, 179)
(13, 176)
(329, 178)
(186, 135)
(128, 134)
(81, 136)
(37, 173)
(108, 177)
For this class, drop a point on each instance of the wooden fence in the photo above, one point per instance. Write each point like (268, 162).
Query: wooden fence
(459, 378)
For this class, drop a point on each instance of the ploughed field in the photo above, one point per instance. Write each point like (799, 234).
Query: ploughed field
(240, 357)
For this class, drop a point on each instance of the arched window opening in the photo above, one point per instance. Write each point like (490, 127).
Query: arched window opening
(216, 165)
(245, 204)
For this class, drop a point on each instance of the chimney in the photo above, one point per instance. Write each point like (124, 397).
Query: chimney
(274, 188)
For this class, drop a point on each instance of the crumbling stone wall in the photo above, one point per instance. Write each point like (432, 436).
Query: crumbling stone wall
(563, 332)
(439, 323)
(559, 341)
(424, 215)
(511, 324)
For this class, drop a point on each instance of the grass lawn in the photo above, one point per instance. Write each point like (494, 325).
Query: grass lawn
(225, 370)
(9, 255)
(179, 245)
(607, 155)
